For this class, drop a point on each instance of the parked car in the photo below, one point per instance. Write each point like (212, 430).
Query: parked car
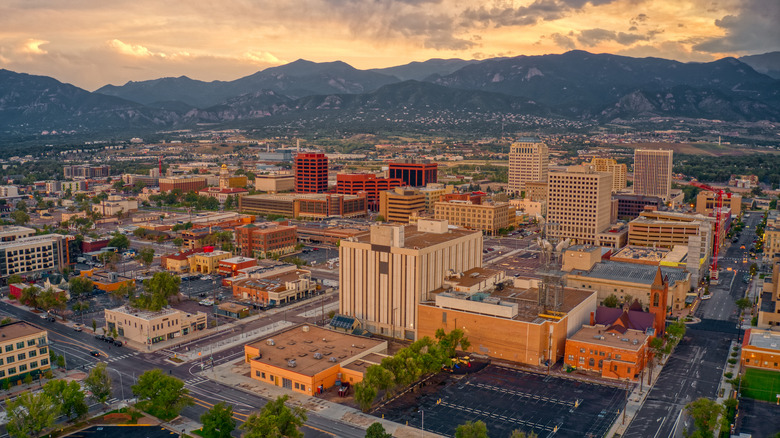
(118, 343)
(109, 339)
(100, 337)
(78, 327)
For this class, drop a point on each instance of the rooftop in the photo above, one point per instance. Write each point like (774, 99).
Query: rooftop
(632, 273)
(313, 349)
(601, 335)
(273, 282)
(236, 260)
(145, 314)
(413, 238)
(764, 339)
(642, 253)
(289, 197)
(31, 240)
(18, 329)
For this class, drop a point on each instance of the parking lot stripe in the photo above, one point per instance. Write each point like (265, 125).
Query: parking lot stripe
(523, 394)
(488, 414)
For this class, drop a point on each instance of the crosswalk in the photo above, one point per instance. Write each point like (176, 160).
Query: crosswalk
(112, 359)
(192, 381)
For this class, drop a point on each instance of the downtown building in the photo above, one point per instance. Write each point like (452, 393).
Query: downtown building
(618, 171)
(311, 173)
(34, 254)
(24, 350)
(86, 171)
(528, 161)
(354, 183)
(184, 183)
(414, 173)
(653, 173)
(579, 204)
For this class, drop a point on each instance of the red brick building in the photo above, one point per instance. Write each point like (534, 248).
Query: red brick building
(414, 173)
(311, 173)
(184, 183)
(352, 184)
(473, 197)
(266, 239)
(229, 267)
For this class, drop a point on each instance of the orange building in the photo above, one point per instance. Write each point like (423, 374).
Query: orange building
(275, 289)
(760, 349)
(230, 267)
(354, 183)
(305, 358)
(266, 239)
(107, 281)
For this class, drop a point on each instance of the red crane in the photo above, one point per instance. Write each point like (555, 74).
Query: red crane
(719, 193)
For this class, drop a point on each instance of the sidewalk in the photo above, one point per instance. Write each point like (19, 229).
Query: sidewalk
(236, 374)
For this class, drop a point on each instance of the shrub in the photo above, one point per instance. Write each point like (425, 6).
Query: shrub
(732, 361)
(729, 375)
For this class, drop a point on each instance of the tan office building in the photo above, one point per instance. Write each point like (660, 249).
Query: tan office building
(653, 172)
(207, 262)
(398, 204)
(143, 327)
(433, 192)
(772, 235)
(618, 171)
(706, 203)
(275, 182)
(536, 190)
(26, 255)
(528, 161)
(23, 350)
(489, 217)
(386, 273)
(579, 203)
(9, 233)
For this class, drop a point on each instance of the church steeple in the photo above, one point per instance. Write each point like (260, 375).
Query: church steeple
(659, 293)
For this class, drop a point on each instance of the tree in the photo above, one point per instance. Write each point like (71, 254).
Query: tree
(611, 301)
(275, 420)
(517, 433)
(380, 218)
(470, 429)
(68, 396)
(79, 286)
(743, 303)
(21, 206)
(162, 396)
(120, 241)
(158, 290)
(20, 217)
(178, 241)
(14, 279)
(98, 382)
(376, 430)
(30, 296)
(452, 340)
(127, 289)
(218, 421)
(50, 299)
(94, 326)
(365, 395)
(705, 413)
(30, 414)
(146, 256)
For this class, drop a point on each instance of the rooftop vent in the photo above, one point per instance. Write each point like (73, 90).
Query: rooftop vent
(291, 363)
(318, 355)
(270, 342)
(305, 329)
(332, 359)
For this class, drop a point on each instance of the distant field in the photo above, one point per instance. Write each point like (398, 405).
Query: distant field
(711, 149)
(761, 384)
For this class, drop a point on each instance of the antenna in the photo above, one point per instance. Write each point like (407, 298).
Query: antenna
(551, 250)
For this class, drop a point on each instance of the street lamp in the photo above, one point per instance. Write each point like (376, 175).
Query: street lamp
(120, 384)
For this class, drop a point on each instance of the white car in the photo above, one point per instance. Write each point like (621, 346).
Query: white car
(706, 297)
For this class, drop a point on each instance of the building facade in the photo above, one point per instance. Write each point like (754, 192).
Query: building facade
(275, 182)
(653, 172)
(185, 184)
(707, 203)
(308, 205)
(352, 184)
(86, 171)
(399, 204)
(24, 349)
(489, 217)
(760, 349)
(618, 171)
(144, 328)
(275, 289)
(383, 275)
(579, 203)
(414, 173)
(629, 206)
(311, 173)
(27, 255)
(528, 161)
(266, 239)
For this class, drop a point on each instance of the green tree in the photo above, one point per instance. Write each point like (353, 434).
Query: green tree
(14, 279)
(376, 430)
(705, 413)
(470, 429)
(611, 301)
(50, 299)
(178, 241)
(161, 395)
(120, 241)
(146, 257)
(98, 382)
(127, 289)
(31, 296)
(30, 414)
(275, 420)
(449, 342)
(20, 217)
(94, 325)
(79, 286)
(517, 433)
(68, 396)
(365, 395)
(743, 303)
(21, 206)
(218, 421)
(380, 218)
(158, 290)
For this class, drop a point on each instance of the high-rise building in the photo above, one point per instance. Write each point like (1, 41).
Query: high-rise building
(528, 161)
(353, 183)
(579, 203)
(385, 274)
(311, 173)
(653, 172)
(415, 173)
(398, 204)
(26, 255)
(618, 171)
(490, 217)
(86, 171)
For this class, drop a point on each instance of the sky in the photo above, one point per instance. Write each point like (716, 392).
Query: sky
(91, 43)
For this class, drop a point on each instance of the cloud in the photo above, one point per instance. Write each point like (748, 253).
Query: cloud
(538, 11)
(33, 47)
(263, 57)
(753, 29)
(563, 41)
(593, 37)
(132, 49)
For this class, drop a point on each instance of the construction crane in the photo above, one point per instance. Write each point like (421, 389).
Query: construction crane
(719, 194)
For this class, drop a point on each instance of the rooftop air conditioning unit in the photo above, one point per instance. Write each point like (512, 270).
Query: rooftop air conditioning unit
(332, 359)
(291, 363)
(270, 342)
(318, 355)
(305, 329)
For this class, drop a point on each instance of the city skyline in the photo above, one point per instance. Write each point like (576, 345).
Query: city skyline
(84, 43)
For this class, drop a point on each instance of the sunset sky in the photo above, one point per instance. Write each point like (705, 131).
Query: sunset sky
(90, 43)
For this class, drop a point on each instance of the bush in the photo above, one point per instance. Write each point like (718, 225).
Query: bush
(754, 321)
(732, 361)
(728, 375)
(734, 354)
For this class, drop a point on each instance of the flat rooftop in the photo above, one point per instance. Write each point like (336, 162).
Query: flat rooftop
(631, 272)
(302, 343)
(473, 276)
(765, 339)
(642, 253)
(145, 314)
(18, 329)
(599, 335)
(423, 239)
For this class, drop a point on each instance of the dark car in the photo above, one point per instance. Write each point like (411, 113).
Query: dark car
(51, 318)
(100, 337)
(95, 353)
(118, 343)
(109, 339)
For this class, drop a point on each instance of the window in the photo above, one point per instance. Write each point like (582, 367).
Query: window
(617, 357)
(2, 373)
(44, 362)
(8, 348)
(582, 360)
(31, 342)
(43, 350)
(571, 357)
(582, 350)
(19, 345)
(591, 361)
(32, 353)
(11, 371)
(21, 356)
(34, 364)
(22, 368)
(10, 359)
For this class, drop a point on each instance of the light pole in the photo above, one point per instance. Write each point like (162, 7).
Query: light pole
(121, 385)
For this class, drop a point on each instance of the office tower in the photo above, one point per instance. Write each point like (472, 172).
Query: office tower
(618, 171)
(653, 173)
(397, 205)
(579, 203)
(415, 173)
(528, 161)
(311, 173)
(354, 183)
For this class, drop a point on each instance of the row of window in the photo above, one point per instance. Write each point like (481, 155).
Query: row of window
(20, 345)
(23, 368)
(20, 356)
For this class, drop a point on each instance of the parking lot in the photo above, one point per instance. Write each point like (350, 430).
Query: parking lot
(507, 399)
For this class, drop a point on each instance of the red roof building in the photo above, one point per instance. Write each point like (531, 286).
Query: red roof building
(311, 173)
(413, 173)
(229, 267)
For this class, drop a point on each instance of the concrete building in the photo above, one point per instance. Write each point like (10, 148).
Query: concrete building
(536, 190)
(414, 173)
(179, 262)
(653, 172)
(74, 186)
(629, 206)
(528, 161)
(222, 194)
(9, 233)
(24, 349)
(228, 181)
(34, 254)
(143, 328)
(307, 358)
(184, 183)
(772, 235)
(311, 173)
(579, 203)
(275, 289)
(266, 239)
(114, 205)
(769, 300)
(537, 209)
(397, 205)
(230, 267)
(275, 182)
(107, 281)
(314, 206)
(86, 171)
(618, 171)
(707, 203)
(207, 262)
(433, 193)
(9, 192)
(761, 349)
(383, 275)
(354, 183)
(490, 217)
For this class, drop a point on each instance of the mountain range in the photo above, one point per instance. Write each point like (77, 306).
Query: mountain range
(576, 85)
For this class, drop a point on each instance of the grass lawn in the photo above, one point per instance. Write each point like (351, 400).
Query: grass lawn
(761, 384)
